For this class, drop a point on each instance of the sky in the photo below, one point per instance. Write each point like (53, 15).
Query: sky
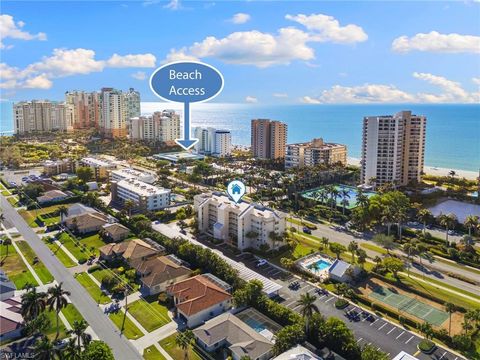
(278, 52)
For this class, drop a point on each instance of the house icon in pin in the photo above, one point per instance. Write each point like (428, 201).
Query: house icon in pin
(236, 189)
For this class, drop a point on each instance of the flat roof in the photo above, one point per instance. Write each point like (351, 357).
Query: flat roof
(95, 161)
(404, 356)
(142, 188)
(176, 156)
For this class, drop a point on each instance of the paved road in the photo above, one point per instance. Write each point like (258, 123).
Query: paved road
(345, 238)
(122, 348)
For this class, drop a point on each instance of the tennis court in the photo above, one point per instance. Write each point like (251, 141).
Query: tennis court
(410, 305)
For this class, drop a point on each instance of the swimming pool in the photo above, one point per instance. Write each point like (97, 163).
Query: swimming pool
(254, 324)
(320, 265)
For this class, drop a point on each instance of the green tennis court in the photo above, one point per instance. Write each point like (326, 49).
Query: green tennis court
(410, 305)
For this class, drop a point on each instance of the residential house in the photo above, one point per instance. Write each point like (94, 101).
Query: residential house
(229, 332)
(7, 287)
(84, 219)
(157, 273)
(11, 320)
(297, 353)
(133, 251)
(200, 298)
(115, 232)
(52, 196)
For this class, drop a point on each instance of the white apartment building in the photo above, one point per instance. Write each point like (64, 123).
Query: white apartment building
(213, 141)
(146, 197)
(100, 167)
(393, 148)
(132, 103)
(243, 225)
(128, 173)
(113, 113)
(161, 126)
(41, 116)
(315, 152)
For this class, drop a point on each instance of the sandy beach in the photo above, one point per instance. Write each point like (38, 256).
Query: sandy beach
(433, 170)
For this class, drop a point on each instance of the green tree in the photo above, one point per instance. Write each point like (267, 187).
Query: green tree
(78, 331)
(337, 249)
(307, 308)
(97, 350)
(393, 265)
(353, 247)
(84, 173)
(62, 211)
(471, 222)
(361, 257)
(44, 349)
(184, 340)
(450, 308)
(288, 337)
(424, 216)
(340, 338)
(448, 222)
(385, 241)
(7, 242)
(38, 325)
(370, 352)
(128, 205)
(32, 304)
(57, 301)
(426, 329)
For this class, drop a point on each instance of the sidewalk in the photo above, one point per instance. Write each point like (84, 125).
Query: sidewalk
(69, 254)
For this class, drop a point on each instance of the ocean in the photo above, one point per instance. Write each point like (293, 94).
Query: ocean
(452, 140)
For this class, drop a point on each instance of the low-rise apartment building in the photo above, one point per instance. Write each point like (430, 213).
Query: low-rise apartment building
(56, 167)
(315, 152)
(146, 197)
(128, 173)
(100, 167)
(243, 225)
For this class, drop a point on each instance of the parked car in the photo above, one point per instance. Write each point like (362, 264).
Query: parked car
(306, 230)
(261, 263)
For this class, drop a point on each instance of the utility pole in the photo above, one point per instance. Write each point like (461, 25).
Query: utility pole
(126, 309)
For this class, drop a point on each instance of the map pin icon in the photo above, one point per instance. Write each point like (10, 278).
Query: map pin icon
(236, 189)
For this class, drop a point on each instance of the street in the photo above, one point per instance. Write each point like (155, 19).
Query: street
(101, 324)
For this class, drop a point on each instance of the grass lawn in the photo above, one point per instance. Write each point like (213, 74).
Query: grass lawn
(39, 267)
(92, 288)
(5, 192)
(152, 353)
(131, 331)
(100, 274)
(30, 216)
(168, 344)
(151, 315)
(374, 248)
(15, 268)
(93, 243)
(13, 200)
(457, 265)
(75, 249)
(61, 255)
(71, 313)
(52, 330)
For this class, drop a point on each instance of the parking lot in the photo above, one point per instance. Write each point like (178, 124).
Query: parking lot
(368, 328)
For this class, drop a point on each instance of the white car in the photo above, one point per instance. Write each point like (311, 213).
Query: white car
(261, 262)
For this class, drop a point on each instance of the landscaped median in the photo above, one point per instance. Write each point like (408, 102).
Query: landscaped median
(60, 254)
(39, 268)
(151, 315)
(95, 292)
(71, 314)
(130, 330)
(15, 268)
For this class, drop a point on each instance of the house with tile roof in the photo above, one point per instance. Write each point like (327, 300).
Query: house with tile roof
(238, 339)
(84, 219)
(11, 320)
(159, 272)
(52, 196)
(133, 251)
(115, 232)
(200, 298)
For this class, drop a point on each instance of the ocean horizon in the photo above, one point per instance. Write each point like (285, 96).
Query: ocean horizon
(452, 138)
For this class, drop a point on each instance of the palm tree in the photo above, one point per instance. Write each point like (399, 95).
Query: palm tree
(128, 206)
(6, 243)
(308, 307)
(62, 211)
(78, 329)
(184, 340)
(388, 217)
(426, 329)
(471, 221)
(448, 221)
(325, 241)
(353, 247)
(71, 351)
(57, 301)
(345, 196)
(33, 304)
(44, 349)
(450, 308)
(378, 260)
(362, 199)
(424, 216)
(452, 173)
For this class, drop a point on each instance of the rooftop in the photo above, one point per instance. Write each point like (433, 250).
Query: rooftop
(176, 156)
(317, 144)
(297, 353)
(97, 162)
(10, 318)
(129, 173)
(52, 194)
(339, 268)
(161, 269)
(142, 188)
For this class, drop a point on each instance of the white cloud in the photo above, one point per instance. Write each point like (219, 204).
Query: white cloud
(12, 30)
(173, 5)
(67, 62)
(179, 55)
(450, 92)
(476, 80)
(139, 60)
(240, 18)
(280, 95)
(436, 42)
(251, 99)
(139, 75)
(266, 49)
(326, 28)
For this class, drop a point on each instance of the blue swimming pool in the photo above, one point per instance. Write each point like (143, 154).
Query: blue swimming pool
(254, 324)
(320, 265)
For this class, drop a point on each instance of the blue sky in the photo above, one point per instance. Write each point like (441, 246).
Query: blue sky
(268, 52)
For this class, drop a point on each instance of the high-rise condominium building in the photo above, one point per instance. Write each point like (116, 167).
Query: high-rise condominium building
(86, 108)
(41, 116)
(243, 225)
(315, 152)
(393, 148)
(161, 126)
(113, 118)
(132, 103)
(213, 141)
(269, 139)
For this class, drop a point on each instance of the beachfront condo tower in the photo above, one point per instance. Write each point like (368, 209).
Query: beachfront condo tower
(161, 126)
(393, 148)
(38, 116)
(213, 141)
(86, 114)
(315, 152)
(269, 139)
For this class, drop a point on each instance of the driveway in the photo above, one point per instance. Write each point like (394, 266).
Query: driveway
(101, 324)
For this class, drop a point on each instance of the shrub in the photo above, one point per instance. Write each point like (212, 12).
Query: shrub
(341, 304)
(93, 268)
(426, 346)
(462, 342)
